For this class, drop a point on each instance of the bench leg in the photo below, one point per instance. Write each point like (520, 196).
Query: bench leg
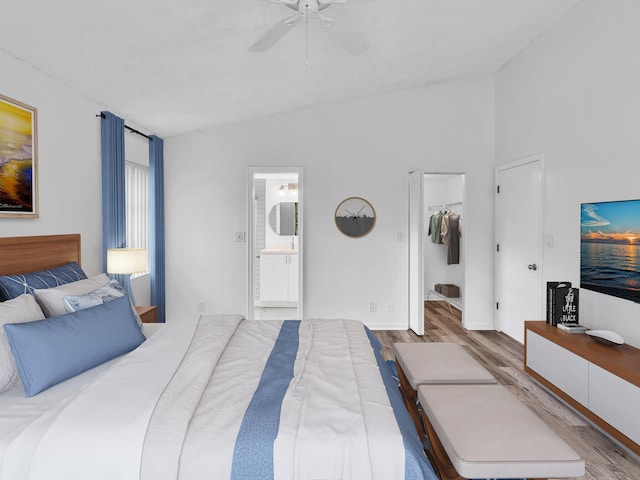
(437, 454)
(410, 397)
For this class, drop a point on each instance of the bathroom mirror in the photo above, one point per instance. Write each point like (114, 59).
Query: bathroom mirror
(283, 218)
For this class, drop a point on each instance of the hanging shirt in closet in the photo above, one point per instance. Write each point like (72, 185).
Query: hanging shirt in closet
(444, 228)
(434, 227)
(453, 239)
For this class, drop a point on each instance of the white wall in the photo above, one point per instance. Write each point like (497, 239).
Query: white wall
(574, 95)
(68, 160)
(359, 148)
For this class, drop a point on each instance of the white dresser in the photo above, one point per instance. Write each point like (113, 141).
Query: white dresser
(601, 382)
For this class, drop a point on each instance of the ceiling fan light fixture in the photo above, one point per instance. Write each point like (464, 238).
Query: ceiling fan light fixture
(342, 34)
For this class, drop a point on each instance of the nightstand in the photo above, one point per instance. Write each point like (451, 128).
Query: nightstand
(147, 314)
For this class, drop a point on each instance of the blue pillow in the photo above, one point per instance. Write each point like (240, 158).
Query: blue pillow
(50, 351)
(12, 286)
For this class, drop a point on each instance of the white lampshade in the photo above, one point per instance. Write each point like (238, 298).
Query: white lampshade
(126, 260)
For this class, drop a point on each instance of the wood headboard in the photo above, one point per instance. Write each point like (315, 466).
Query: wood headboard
(29, 254)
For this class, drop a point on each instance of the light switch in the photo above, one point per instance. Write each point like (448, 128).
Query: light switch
(548, 241)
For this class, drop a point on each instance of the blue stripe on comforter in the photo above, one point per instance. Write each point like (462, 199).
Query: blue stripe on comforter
(253, 453)
(417, 466)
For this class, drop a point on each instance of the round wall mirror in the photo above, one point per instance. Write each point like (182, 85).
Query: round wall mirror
(283, 218)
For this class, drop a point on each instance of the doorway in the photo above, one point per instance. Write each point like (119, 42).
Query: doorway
(518, 257)
(436, 264)
(444, 255)
(275, 243)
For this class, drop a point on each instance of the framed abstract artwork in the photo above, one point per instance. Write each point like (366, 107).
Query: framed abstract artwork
(18, 159)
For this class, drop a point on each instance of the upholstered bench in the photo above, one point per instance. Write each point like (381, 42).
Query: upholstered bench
(434, 363)
(483, 431)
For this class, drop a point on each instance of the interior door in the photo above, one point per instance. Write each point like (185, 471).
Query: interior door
(519, 292)
(416, 267)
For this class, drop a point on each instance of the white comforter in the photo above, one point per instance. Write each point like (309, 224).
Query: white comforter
(174, 407)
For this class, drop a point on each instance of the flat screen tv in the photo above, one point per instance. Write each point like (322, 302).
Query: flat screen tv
(610, 248)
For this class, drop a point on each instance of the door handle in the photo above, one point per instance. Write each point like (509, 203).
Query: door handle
(533, 267)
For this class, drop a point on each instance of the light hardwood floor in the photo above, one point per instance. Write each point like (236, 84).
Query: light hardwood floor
(503, 357)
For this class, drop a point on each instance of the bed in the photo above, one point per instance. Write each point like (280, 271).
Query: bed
(210, 397)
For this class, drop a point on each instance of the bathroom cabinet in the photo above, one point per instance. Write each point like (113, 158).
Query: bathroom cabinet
(278, 280)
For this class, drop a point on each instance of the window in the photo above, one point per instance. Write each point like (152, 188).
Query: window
(137, 198)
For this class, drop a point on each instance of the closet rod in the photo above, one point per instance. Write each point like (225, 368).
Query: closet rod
(132, 130)
(445, 205)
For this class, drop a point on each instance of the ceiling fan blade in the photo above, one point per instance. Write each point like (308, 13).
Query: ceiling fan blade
(292, 4)
(322, 4)
(326, 21)
(342, 34)
(276, 32)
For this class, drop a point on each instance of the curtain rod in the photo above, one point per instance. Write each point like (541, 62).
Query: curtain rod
(132, 130)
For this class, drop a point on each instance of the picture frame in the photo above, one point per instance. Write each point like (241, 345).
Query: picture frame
(610, 248)
(355, 217)
(18, 159)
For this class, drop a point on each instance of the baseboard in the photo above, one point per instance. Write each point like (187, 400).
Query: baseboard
(383, 326)
(480, 326)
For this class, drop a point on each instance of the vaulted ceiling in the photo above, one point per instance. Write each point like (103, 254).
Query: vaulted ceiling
(173, 66)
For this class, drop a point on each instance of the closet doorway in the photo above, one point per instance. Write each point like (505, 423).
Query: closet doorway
(275, 243)
(437, 261)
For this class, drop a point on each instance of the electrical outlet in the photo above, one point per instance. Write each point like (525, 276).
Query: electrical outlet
(388, 307)
(239, 237)
(372, 306)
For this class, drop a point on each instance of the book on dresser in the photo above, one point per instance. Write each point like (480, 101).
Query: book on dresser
(563, 304)
(551, 288)
(572, 327)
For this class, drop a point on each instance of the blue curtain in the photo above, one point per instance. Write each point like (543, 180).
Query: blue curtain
(114, 221)
(156, 227)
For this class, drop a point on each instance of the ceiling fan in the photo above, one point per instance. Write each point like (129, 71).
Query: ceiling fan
(311, 9)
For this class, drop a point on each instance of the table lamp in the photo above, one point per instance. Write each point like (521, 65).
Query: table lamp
(126, 261)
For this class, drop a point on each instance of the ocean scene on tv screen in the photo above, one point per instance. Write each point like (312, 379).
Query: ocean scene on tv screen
(610, 248)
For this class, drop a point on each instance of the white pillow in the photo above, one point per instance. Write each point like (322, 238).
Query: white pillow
(18, 310)
(51, 300)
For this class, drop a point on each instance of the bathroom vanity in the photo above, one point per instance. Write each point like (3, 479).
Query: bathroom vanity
(279, 277)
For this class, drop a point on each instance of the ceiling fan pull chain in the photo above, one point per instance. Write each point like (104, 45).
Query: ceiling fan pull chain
(306, 35)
